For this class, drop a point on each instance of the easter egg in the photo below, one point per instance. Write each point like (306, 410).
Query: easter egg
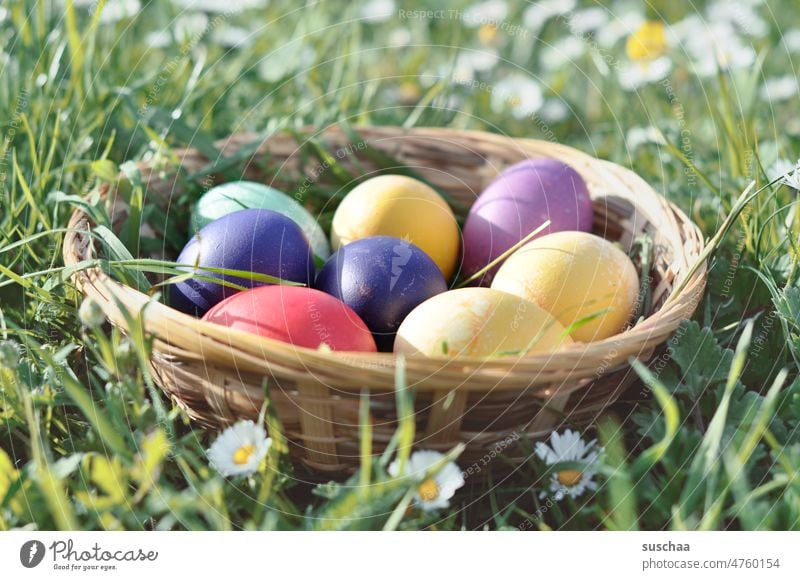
(517, 202)
(400, 207)
(382, 279)
(253, 240)
(575, 276)
(478, 322)
(238, 195)
(297, 315)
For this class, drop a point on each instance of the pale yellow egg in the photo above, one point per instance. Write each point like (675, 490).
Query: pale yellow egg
(401, 207)
(580, 278)
(478, 322)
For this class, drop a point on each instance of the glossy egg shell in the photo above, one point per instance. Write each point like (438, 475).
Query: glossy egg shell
(478, 322)
(400, 207)
(234, 196)
(382, 279)
(575, 275)
(297, 315)
(254, 240)
(517, 202)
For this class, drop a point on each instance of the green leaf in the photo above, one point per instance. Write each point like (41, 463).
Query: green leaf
(109, 477)
(105, 170)
(153, 451)
(118, 251)
(703, 472)
(702, 361)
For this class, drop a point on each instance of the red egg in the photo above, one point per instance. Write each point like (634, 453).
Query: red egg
(297, 315)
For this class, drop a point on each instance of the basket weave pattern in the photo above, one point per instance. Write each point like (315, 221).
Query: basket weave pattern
(217, 374)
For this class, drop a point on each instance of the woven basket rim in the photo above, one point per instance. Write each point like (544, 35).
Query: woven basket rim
(166, 324)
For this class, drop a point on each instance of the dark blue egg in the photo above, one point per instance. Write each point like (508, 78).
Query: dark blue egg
(382, 279)
(253, 240)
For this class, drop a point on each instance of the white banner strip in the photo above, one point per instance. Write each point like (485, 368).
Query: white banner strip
(355, 555)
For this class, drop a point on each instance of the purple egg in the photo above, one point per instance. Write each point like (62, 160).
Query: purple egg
(253, 240)
(382, 279)
(517, 202)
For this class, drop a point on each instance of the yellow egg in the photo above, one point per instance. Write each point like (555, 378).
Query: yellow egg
(574, 276)
(401, 207)
(478, 322)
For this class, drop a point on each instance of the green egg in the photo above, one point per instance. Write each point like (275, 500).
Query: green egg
(227, 198)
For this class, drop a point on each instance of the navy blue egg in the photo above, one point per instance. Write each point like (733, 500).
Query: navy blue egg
(253, 240)
(382, 279)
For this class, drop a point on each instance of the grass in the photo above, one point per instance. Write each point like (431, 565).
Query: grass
(708, 439)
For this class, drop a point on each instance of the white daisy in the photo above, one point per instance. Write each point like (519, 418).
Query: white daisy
(638, 136)
(113, 10)
(470, 62)
(791, 39)
(284, 61)
(563, 51)
(585, 21)
(220, 6)
(643, 72)
(777, 89)
(232, 36)
(715, 46)
(793, 179)
(239, 449)
(376, 11)
(478, 60)
(780, 168)
(519, 93)
(537, 15)
(618, 27)
(570, 447)
(554, 111)
(183, 29)
(790, 172)
(399, 37)
(489, 12)
(744, 17)
(434, 490)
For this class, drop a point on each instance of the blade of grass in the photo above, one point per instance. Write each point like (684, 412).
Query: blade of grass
(745, 198)
(119, 252)
(76, 391)
(705, 465)
(365, 442)
(669, 407)
(46, 480)
(479, 274)
(406, 427)
(621, 513)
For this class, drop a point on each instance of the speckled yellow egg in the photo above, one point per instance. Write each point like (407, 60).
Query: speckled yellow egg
(580, 278)
(478, 322)
(401, 207)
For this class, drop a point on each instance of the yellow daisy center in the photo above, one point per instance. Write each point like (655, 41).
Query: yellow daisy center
(569, 477)
(244, 453)
(488, 33)
(648, 42)
(428, 490)
(409, 91)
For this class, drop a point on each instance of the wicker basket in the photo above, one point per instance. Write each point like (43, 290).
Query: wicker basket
(217, 374)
